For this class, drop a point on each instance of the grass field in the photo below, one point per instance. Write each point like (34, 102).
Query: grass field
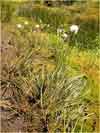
(50, 74)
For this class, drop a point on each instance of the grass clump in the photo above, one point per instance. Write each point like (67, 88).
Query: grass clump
(47, 99)
(45, 93)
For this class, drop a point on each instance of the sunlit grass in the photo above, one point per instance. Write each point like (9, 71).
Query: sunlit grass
(87, 62)
(62, 79)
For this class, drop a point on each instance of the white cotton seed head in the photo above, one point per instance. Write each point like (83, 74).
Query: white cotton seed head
(37, 26)
(19, 26)
(65, 35)
(74, 28)
(59, 30)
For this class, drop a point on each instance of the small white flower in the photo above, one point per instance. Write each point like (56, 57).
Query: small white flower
(59, 30)
(74, 28)
(19, 26)
(26, 22)
(37, 26)
(65, 35)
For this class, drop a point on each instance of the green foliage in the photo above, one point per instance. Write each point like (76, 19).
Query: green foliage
(44, 72)
(53, 92)
(88, 31)
(54, 17)
(7, 10)
(86, 62)
(57, 17)
(57, 98)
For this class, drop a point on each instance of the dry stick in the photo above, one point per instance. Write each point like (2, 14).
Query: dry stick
(4, 92)
(42, 86)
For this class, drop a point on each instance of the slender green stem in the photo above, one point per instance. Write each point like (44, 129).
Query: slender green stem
(42, 86)
(41, 98)
(64, 120)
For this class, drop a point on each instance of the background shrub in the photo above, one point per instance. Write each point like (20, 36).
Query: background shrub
(89, 29)
(88, 20)
(7, 10)
(54, 17)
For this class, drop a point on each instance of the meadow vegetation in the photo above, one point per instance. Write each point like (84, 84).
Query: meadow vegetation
(50, 82)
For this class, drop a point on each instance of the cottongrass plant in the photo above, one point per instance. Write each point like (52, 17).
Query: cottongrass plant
(68, 35)
(49, 101)
(55, 99)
